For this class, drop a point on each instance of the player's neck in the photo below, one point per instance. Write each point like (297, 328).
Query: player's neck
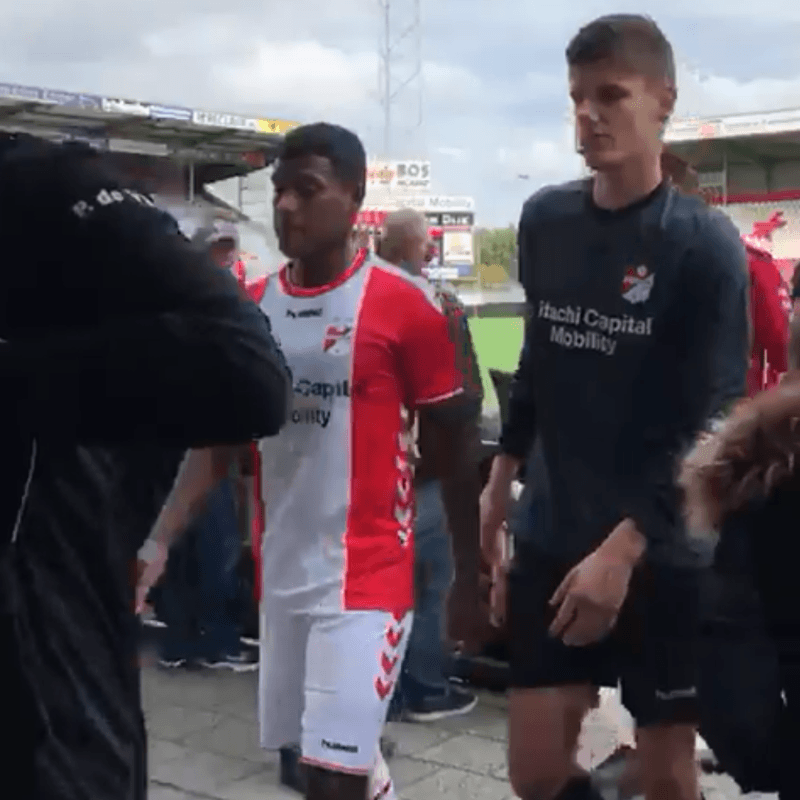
(619, 188)
(323, 268)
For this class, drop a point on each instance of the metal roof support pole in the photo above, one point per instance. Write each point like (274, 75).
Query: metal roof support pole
(191, 181)
(724, 174)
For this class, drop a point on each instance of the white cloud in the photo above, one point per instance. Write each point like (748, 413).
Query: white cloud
(494, 80)
(526, 153)
(459, 154)
(302, 74)
(709, 95)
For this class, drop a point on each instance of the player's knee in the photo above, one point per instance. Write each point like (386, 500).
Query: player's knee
(539, 772)
(326, 784)
(544, 727)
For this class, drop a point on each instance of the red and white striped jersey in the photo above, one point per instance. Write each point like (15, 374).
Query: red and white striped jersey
(365, 351)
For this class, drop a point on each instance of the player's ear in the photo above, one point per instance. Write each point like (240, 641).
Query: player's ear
(667, 97)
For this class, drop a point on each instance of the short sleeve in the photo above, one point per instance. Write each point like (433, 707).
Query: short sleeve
(427, 351)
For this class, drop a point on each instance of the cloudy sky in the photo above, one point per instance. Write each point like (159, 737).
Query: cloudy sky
(494, 78)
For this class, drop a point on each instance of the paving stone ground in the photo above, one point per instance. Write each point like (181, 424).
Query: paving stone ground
(204, 746)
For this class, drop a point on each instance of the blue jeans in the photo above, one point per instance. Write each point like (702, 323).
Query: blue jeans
(200, 593)
(423, 671)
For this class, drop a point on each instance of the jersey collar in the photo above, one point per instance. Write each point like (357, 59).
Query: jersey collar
(287, 287)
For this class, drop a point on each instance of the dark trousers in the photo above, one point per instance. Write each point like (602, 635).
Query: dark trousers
(424, 670)
(776, 578)
(200, 595)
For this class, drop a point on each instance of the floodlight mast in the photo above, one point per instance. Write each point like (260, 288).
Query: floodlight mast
(400, 74)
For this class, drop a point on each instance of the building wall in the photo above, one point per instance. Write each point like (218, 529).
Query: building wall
(752, 178)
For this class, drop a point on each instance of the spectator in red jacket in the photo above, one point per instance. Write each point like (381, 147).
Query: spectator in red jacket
(768, 308)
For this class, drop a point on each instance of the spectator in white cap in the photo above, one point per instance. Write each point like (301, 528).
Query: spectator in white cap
(221, 238)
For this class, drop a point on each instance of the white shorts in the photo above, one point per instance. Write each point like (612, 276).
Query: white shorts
(326, 680)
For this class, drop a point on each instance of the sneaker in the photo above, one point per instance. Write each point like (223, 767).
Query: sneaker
(380, 786)
(451, 703)
(236, 662)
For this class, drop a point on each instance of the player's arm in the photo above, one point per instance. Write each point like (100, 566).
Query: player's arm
(116, 330)
(715, 296)
(456, 447)
(200, 473)
(442, 383)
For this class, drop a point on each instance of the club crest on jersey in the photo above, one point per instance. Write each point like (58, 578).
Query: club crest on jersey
(336, 341)
(637, 284)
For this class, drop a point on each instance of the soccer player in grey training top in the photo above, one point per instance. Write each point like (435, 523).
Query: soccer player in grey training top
(638, 337)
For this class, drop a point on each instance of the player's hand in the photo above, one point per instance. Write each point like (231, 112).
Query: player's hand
(589, 599)
(151, 568)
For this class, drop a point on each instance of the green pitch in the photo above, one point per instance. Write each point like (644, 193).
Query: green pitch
(498, 341)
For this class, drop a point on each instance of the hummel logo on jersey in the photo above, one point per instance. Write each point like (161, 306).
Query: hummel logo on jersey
(343, 748)
(336, 341)
(304, 314)
(637, 284)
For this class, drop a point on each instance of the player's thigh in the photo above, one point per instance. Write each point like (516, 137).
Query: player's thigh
(553, 685)
(660, 675)
(353, 661)
(659, 633)
(282, 666)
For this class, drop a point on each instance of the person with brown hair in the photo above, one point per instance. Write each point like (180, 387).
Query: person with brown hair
(743, 483)
(637, 340)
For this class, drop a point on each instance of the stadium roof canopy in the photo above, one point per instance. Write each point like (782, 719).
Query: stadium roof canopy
(765, 139)
(214, 146)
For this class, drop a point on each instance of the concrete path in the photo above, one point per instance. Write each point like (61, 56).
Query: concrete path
(204, 745)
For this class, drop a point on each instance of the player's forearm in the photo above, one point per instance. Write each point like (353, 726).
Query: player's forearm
(200, 472)
(505, 468)
(461, 496)
(626, 543)
(456, 453)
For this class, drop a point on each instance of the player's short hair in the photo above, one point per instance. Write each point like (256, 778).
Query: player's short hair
(340, 146)
(634, 39)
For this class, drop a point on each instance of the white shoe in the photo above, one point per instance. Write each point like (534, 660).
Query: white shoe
(380, 781)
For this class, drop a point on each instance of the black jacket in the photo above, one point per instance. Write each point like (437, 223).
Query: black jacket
(118, 339)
